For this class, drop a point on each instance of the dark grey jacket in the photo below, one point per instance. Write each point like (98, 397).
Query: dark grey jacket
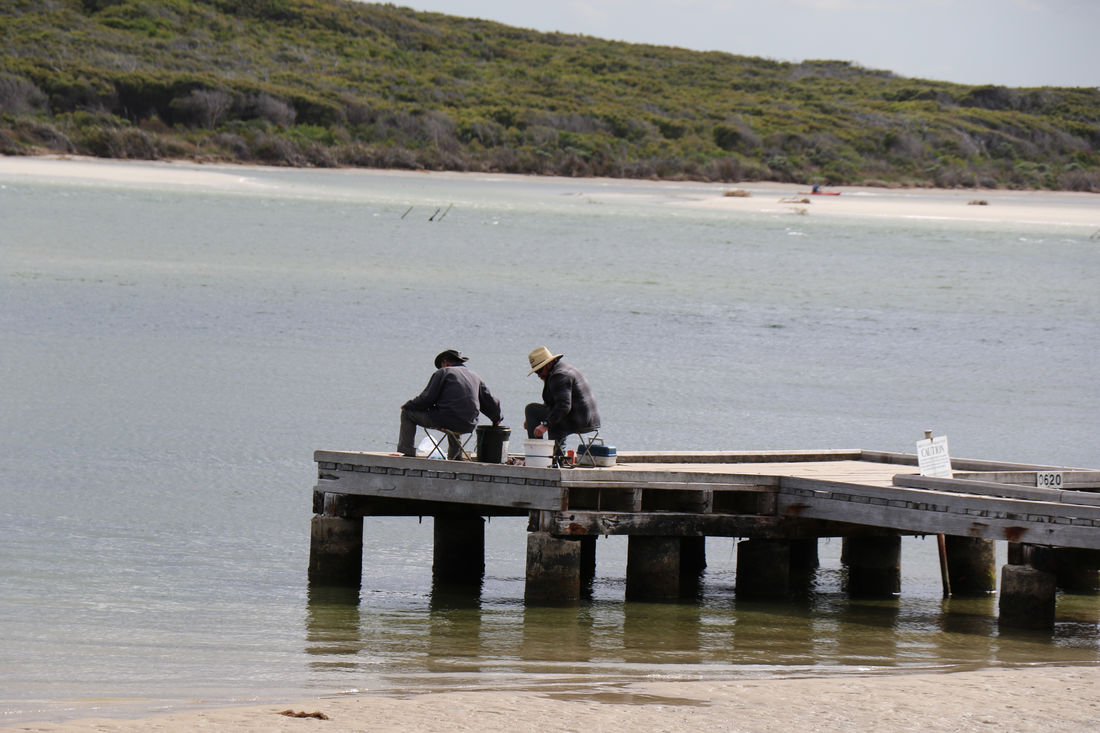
(454, 396)
(571, 408)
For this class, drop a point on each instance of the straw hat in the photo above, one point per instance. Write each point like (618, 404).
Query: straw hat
(539, 358)
(449, 355)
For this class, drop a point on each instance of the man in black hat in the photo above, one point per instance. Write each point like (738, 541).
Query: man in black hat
(451, 401)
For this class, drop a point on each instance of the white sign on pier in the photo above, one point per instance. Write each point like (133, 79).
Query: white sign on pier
(933, 457)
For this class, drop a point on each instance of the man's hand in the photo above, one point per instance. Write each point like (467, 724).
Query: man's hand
(540, 430)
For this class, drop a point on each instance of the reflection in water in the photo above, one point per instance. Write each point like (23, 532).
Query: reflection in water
(454, 628)
(557, 634)
(332, 626)
(463, 635)
(661, 632)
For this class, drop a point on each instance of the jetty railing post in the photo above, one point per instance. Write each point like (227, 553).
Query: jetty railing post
(971, 565)
(458, 554)
(553, 570)
(874, 566)
(335, 545)
(763, 568)
(652, 568)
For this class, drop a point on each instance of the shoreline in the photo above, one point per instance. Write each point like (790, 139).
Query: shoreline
(1064, 698)
(1061, 209)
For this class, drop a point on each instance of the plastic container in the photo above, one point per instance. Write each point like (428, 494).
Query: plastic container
(600, 455)
(538, 453)
(492, 443)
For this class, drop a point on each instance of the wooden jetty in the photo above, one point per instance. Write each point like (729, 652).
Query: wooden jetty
(778, 504)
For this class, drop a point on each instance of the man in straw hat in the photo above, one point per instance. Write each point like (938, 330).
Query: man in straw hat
(567, 402)
(451, 401)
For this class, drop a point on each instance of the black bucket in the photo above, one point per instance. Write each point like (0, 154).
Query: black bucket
(491, 442)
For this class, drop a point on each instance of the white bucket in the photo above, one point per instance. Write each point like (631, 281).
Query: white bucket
(538, 453)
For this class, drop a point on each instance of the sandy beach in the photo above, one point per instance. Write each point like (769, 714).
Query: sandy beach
(1049, 209)
(1018, 699)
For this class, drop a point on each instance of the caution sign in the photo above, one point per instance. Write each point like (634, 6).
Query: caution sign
(933, 458)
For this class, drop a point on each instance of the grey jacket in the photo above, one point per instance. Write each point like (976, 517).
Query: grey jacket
(571, 408)
(454, 397)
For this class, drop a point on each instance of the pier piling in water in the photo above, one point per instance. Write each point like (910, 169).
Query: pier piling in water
(874, 566)
(553, 570)
(458, 555)
(777, 503)
(336, 551)
(1027, 598)
(763, 568)
(652, 568)
(971, 565)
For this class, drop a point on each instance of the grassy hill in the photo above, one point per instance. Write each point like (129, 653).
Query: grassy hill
(340, 83)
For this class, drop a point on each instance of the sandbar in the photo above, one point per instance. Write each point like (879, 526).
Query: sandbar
(1075, 213)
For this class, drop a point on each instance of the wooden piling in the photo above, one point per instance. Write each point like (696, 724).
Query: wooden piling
(553, 570)
(874, 566)
(971, 565)
(336, 551)
(804, 557)
(693, 554)
(1027, 598)
(652, 568)
(763, 568)
(1075, 569)
(588, 564)
(458, 556)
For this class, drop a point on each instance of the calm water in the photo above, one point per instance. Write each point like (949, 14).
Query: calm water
(172, 355)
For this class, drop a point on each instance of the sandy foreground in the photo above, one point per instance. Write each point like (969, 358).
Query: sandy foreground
(1032, 699)
(1071, 212)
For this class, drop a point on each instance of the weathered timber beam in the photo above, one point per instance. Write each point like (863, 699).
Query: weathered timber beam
(758, 483)
(671, 524)
(958, 464)
(445, 486)
(998, 489)
(660, 524)
(1071, 480)
(782, 456)
(925, 511)
(352, 505)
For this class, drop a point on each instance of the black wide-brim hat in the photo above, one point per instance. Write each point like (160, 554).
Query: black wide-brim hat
(449, 355)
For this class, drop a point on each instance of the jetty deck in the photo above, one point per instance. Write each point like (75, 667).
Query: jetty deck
(667, 502)
(735, 494)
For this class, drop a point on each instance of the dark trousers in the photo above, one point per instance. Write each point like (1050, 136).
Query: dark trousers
(406, 440)
(533, 415)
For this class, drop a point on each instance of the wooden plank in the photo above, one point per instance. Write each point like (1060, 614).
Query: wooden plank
(359, 460)
(729, 457)
(757, 484)
(961, 464)
(659, 524)
(992, 489)
(1071, 480)
(373, 506)
(671, 524)
(462, 489)
(932, 512)
(941, 500)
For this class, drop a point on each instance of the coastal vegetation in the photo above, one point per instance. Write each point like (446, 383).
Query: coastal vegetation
(342, 83)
